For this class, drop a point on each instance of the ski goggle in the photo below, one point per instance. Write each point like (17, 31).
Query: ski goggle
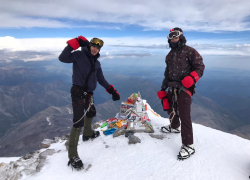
(173, 34)
(96, 41)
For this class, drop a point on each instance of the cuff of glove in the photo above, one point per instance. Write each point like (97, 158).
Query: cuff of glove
(190, 80)
(194, 75)
(73, 43)
(111, 89)
(165, 104)
(161, 94)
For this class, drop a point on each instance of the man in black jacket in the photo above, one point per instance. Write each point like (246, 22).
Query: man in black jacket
(86, 72)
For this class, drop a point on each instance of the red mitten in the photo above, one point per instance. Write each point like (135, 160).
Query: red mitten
(189, 81)
(164, 100)
(161, 94)
(73, 43)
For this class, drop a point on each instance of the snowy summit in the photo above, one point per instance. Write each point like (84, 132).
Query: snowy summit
(218, 155)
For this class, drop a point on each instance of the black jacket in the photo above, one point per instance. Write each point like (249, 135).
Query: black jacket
(82, 66)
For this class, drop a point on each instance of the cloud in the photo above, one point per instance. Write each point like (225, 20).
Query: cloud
(117, 47)
(9, 56)
(10, 21)
(125, 55)
(195, 15)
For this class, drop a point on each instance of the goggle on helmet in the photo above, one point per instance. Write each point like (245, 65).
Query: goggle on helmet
(174, 33)
(96, 42)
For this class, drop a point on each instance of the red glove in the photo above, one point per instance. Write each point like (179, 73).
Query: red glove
(189, 81)
(77, 42)
(164, 100)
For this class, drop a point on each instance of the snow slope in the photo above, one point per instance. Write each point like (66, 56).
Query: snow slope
(8, 159)
(218, 156)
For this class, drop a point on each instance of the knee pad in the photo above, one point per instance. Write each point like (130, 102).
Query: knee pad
(92, 112)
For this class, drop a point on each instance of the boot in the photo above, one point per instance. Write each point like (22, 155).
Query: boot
(76, 163)
(168, 129)
(87, 131)
(186, 151)
(94, 135)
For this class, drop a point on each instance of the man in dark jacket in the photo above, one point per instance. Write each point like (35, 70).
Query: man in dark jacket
(184, 68)
(87, 72)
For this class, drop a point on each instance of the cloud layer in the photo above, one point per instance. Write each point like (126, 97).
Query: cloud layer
(120, 47)
(207, 16)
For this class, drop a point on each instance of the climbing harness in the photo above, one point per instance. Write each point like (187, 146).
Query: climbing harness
(174, 106)
(91, 102)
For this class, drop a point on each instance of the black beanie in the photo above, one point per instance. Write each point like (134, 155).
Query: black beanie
(178, 29)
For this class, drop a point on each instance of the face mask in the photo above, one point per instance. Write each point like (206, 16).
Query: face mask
(174, 45)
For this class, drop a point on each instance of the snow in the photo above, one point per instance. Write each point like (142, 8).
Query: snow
(70, 111)
(218, 156)
(8, 159)
(48, 119)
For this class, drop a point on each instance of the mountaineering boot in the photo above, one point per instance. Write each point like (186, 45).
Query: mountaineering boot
(168, 129)
(94, 135)
(87, 131)
(185, 152)
(72, 150)
(76, 163)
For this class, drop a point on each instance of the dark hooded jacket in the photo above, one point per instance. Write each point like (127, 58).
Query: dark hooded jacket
(181, 61)
(82, 62)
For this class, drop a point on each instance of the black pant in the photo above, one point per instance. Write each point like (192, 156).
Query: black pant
(80, 103)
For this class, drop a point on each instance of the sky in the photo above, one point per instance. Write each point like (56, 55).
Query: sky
(131, 30)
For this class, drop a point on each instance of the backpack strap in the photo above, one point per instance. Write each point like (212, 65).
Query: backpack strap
(89, 74)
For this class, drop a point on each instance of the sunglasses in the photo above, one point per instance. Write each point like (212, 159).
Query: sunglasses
(173, 34)
(97, 41)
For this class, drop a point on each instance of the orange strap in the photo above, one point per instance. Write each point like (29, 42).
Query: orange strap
(188, 92)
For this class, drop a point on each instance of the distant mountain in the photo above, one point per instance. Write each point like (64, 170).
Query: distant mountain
(12, 76)
(21, 102)
(204, 110)
(108, 109)
(47, 124)
(229, 88)
(243, 132)
(239, 106)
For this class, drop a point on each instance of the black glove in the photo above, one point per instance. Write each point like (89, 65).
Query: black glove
(115, 94)
(83, 41)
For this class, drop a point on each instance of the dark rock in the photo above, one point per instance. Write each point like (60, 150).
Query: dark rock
(133, 139)
(157, 136)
